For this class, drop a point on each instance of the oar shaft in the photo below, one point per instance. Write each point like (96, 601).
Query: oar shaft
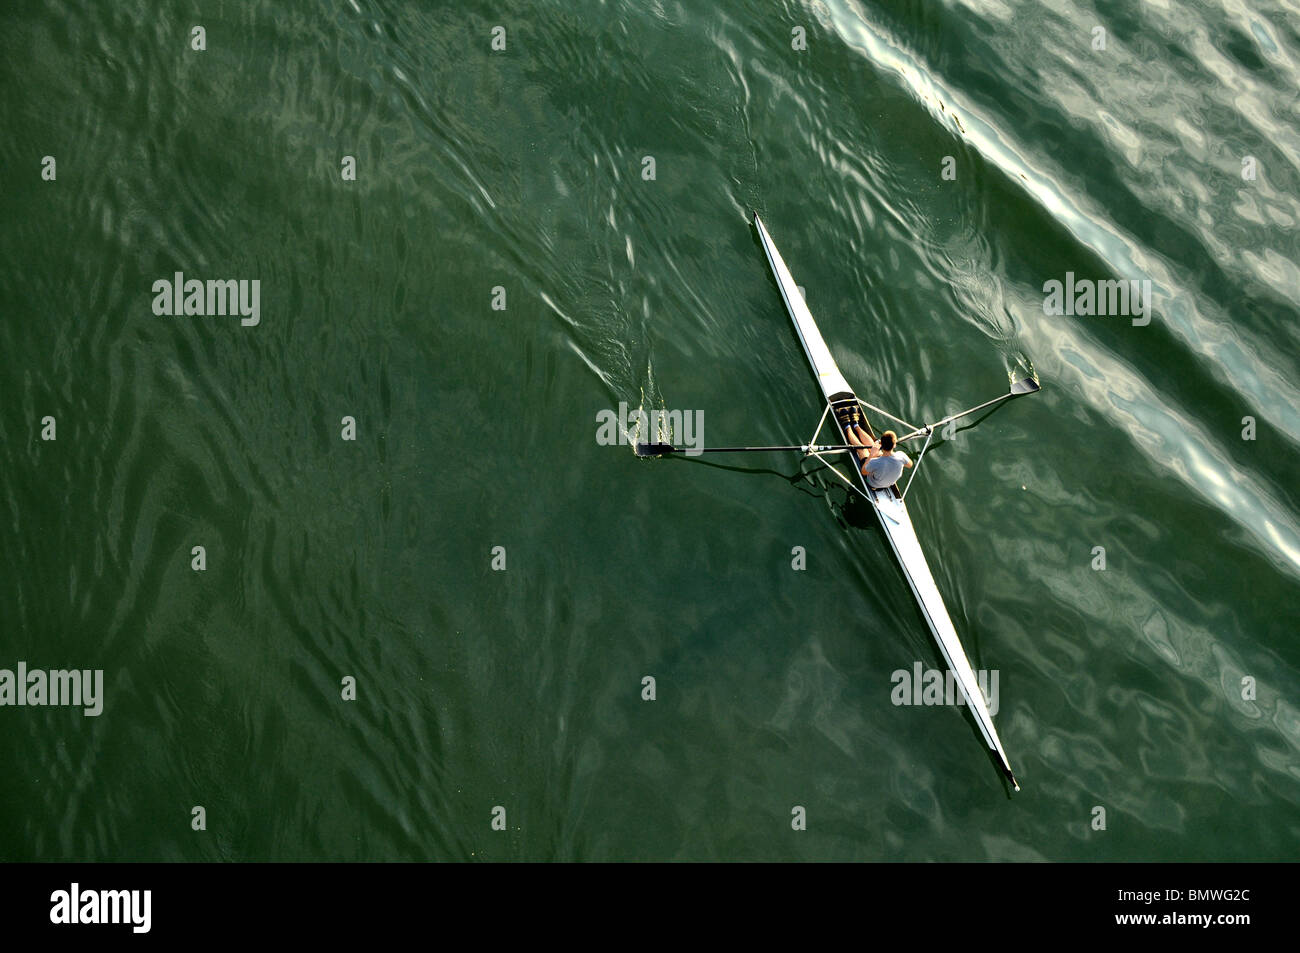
(1030, 386)
(662, 448)
(967, 413)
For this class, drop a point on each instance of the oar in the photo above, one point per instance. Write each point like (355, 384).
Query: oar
(1026, 385)
(659, 449)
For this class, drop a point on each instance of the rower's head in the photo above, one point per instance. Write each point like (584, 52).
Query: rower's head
(888, 440)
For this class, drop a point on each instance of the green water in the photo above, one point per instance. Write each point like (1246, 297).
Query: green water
(524, 169)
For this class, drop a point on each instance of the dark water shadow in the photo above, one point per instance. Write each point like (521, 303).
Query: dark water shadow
(850, 509)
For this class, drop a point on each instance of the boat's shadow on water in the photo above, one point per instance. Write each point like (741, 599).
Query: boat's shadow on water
(849, 508)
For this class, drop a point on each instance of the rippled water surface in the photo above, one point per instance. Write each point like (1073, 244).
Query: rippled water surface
(597, 178)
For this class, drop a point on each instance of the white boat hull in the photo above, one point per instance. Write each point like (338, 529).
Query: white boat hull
(890, 509)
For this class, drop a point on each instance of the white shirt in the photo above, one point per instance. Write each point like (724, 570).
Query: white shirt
(884, 470)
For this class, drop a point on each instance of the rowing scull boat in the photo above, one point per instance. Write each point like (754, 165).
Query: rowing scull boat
(888, 504)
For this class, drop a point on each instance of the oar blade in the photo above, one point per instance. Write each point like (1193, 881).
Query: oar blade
(654, 449)
(1026, 385)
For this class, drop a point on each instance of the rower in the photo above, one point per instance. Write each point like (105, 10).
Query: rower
(882, 464)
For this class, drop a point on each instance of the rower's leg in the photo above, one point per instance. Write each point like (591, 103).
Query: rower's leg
(856, 437)
(846, 415)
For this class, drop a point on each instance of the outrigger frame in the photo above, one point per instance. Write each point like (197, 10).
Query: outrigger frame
(811, 448)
